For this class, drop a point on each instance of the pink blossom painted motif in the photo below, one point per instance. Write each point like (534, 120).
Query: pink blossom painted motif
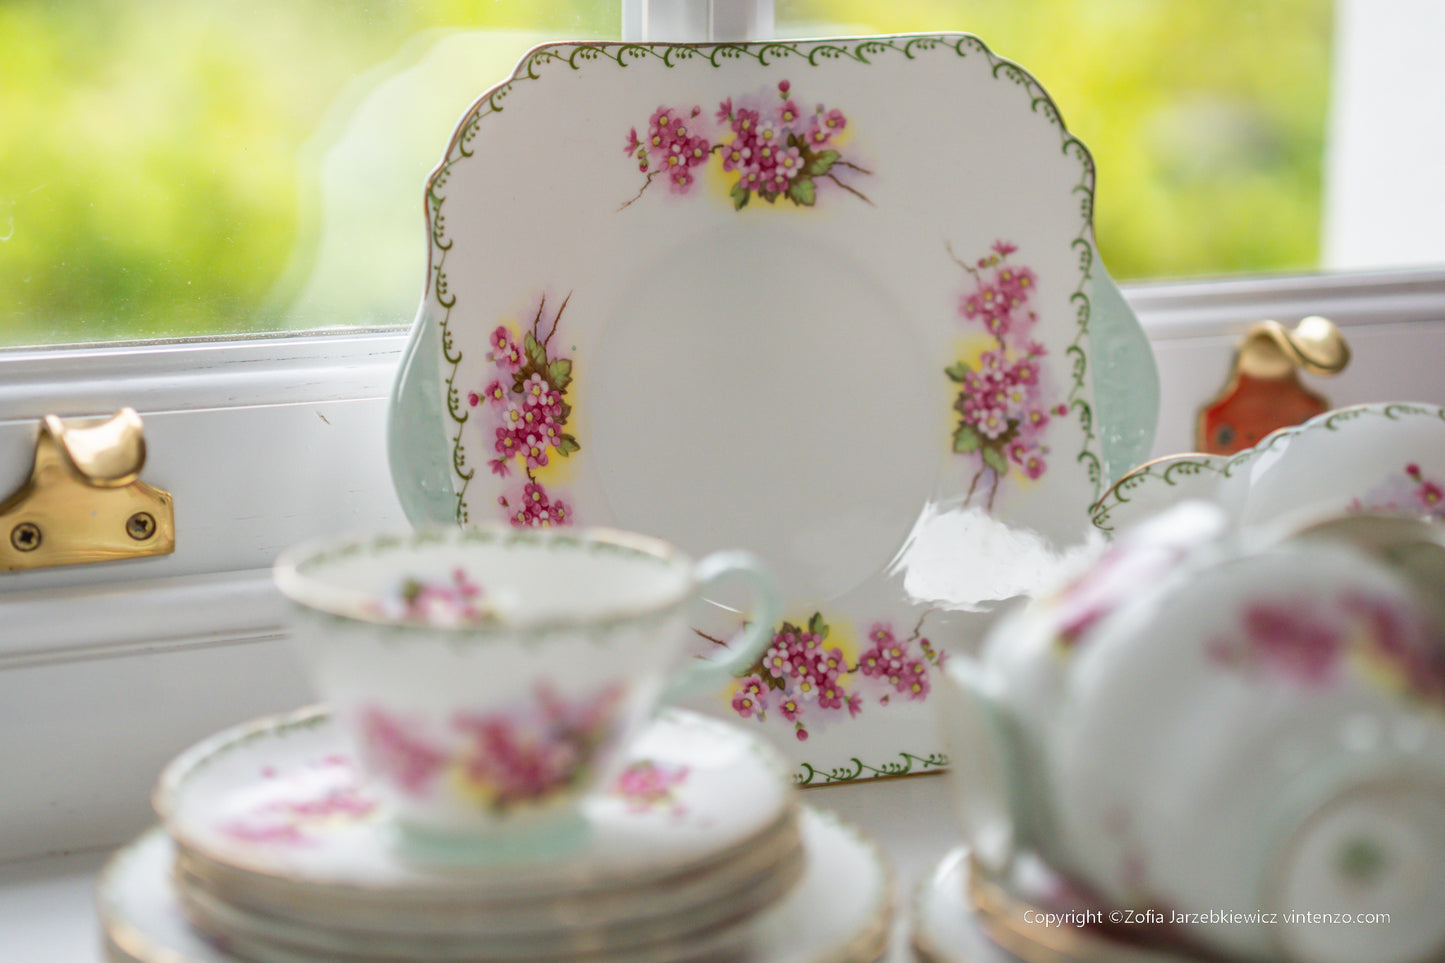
(1005, 401)
(523, 414)
(1112, 580)
(458, 601)
(1409, 493)
(768, 145)
(540, 748)
(804, 679)
(647, 786)
(1313, 642)
(325, 794)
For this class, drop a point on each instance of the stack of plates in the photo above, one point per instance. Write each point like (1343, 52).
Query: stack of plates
(273, 850)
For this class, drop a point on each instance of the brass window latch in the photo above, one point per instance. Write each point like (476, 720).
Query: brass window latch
(84, 500)
(1264, 392)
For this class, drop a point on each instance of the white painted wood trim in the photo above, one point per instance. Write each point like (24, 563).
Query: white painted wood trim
(265, 441)
(1207, 307)
(143, 618)
(197, 375)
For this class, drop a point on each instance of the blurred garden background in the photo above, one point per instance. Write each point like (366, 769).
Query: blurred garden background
(164, 164)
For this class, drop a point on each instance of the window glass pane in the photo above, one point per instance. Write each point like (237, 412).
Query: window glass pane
(198, 167)
(1207, 121)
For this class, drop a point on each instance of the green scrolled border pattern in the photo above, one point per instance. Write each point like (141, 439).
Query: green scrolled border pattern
(907, 764)
(1169, 470)
(177, 776)
(492, 537)
(813, 53)
(463, 638)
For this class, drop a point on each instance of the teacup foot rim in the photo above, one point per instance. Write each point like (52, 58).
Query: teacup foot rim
(552, 840)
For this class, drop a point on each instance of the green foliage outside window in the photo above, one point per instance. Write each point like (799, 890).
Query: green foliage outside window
(1206, 120)
(158, 159)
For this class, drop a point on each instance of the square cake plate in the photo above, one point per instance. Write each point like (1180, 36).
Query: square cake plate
(837, 302)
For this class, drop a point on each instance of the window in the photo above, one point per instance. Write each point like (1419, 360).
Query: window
(174, 169)
(1199, 116)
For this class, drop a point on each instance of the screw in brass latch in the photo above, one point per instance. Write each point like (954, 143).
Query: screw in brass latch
(84, 500)
(140, 526)
(25, 537)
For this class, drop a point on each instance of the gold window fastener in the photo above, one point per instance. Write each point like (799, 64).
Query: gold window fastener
(84, 500)
(1264, 392)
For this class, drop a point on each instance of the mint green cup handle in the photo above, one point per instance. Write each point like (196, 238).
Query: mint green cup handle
(743, 649)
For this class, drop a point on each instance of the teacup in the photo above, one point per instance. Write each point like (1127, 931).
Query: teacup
(487, 678)
(1381, 458)
(1264, 737)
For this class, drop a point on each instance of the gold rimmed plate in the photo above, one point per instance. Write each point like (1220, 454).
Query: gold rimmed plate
(276, 809)
(839, 912)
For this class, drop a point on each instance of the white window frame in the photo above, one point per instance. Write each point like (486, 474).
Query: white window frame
(305, 414)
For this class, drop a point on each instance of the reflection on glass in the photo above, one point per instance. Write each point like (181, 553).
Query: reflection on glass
(1207, 120)
(183, 169)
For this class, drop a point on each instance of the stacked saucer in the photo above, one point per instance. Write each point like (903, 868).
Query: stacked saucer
(965, 913)
(273, 850)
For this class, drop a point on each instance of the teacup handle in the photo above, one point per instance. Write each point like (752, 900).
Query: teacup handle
(743, 649)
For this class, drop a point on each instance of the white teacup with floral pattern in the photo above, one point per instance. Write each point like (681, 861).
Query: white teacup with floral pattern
(487, 678)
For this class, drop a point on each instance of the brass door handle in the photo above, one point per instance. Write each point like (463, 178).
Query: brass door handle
(84, 500)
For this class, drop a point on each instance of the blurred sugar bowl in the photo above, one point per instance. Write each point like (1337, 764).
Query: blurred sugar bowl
(1244, 726)
(489, 678)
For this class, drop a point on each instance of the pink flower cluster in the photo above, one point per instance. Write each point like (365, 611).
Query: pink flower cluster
(773, 147)
(392, 747)
(1005, 405)
(1428, 494)
(799, 674)
(333, 794)
(537, 508)
(646, 785)
(1293, 640)
(1414, 494)
(1000, 299)
(1310, 640)
(672, 147)
(891, 660)
(458, 602)
(504, 759)
(529, 414)
(526, 420)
